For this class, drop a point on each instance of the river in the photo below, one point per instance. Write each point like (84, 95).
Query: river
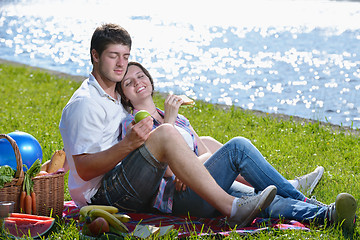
(298, 58)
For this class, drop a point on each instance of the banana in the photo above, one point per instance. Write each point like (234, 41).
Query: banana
(117, 232)
(122, 217)
(111, 219)
(82, 218)
(86, 209)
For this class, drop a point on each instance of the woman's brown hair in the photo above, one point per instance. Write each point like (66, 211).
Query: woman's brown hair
(124, 101)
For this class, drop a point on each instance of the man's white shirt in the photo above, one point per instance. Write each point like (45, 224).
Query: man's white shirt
(89, 123)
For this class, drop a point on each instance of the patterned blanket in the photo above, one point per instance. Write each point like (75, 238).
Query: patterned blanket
(188, 226)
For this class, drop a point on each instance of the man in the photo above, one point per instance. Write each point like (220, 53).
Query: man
(127, 173)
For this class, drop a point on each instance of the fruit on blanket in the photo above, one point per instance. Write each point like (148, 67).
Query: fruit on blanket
(140, 115)
(29, 216)
(93, 216)
(86, 231)
(57, 161)
(110, 218)
(21, 225)
(86, 209)
(98, 226)
(122, 217)
(115, 231)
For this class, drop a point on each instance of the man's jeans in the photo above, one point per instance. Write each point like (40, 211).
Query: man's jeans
(132, 185)
(239, 156)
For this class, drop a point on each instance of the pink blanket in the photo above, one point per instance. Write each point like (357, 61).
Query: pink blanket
(188, 226)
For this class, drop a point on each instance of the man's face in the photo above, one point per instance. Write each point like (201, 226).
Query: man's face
(113, 62)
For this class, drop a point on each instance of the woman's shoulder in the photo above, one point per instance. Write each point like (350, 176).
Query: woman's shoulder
(182, 117)
(129, 116)
(128, 119)
(182, 120)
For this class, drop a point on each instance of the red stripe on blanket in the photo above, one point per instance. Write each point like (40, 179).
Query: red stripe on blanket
(188, 226)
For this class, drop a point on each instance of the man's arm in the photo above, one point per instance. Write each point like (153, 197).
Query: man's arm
(92, 165)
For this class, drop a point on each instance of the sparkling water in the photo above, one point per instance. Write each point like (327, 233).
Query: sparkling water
(298, 58)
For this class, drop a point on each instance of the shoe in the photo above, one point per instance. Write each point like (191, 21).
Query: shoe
(313, 201)
(342, 212)
(308, 182)
(249, 207)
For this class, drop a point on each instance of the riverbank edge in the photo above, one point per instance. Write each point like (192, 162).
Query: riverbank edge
(278, 116)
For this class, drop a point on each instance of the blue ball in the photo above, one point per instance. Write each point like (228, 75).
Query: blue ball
(29, 147)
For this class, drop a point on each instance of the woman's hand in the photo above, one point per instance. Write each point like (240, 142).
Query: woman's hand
(179, 185)
(168, 172)
(171, 108)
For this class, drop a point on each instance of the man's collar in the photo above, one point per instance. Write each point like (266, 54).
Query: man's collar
(95, 83)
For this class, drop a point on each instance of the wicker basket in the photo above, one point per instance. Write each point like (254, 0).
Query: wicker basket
(49, 189)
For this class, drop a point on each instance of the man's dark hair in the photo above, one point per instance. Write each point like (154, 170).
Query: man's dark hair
(108, 34)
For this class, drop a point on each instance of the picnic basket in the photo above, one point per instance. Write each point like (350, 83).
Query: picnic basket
(49, 189)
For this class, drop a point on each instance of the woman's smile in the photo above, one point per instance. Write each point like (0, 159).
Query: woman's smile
(140, 89)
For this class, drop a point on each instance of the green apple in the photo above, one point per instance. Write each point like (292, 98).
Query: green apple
(140, 115)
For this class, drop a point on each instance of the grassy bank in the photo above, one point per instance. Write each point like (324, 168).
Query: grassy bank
(32, 101)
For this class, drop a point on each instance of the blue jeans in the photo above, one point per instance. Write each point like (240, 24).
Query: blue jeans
(239, 156)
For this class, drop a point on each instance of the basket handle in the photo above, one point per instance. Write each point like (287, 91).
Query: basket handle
(19, 169)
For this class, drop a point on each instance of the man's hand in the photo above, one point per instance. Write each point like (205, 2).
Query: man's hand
(93, 165)
(138, 133)
(171, 108)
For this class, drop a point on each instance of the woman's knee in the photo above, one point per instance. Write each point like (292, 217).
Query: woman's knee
(240, 142)
(161, 139)
(164, 132)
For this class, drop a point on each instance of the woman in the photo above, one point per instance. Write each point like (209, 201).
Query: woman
(238, 156)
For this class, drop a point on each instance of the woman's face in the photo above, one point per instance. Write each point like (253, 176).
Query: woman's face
(136, 85)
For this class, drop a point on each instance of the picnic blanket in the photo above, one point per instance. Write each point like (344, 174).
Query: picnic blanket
(189, 226)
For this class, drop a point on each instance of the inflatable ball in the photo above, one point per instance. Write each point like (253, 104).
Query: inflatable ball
(29, 147)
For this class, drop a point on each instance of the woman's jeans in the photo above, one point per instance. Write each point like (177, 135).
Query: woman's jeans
(239, 156)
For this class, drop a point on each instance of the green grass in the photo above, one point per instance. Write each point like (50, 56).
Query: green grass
(32, 101)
